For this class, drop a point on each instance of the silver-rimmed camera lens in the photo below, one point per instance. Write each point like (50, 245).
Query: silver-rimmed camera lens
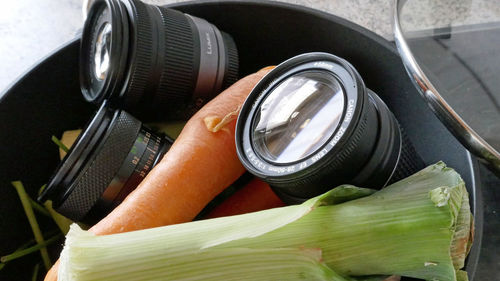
(298, 116)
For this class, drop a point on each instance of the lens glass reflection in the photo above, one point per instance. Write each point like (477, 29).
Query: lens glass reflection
(102, 51)
(298, 117)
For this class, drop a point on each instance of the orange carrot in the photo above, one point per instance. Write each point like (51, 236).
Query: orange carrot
(200, 164)
(255, 196)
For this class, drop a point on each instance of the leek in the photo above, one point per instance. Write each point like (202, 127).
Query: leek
(418, 227)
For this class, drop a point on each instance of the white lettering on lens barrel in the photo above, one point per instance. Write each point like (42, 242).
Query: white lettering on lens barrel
(255, 161)
(337, 137)
(323, 64)
(319, 155)
(350, 110)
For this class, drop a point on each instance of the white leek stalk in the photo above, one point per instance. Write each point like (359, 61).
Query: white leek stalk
(419, 227)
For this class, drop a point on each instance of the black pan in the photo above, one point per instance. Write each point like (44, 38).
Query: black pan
(47, 100)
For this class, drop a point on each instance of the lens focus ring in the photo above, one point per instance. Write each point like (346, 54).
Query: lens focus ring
(232, 61)
(141, 71)
(88, 187)
(179, 75)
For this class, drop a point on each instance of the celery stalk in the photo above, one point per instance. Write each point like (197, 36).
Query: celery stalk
(23, 196)
(36, 269)
(60, 144)
(62, 222)
(21, 253)
(407, 229)
(39, 208)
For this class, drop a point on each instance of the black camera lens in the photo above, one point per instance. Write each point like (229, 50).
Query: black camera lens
(311, 124)
(152, 60)
(107, 161)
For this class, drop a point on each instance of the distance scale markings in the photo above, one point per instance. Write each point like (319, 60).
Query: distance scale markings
(142, 166)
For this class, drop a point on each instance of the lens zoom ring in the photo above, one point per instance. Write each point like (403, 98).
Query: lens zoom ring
(345, 154)
(89, 186)
(231, 74)
(142, 69)
(178, 75)
(409, 160)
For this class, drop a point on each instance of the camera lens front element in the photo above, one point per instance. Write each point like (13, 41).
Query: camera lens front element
(102, 52)
(298, 117)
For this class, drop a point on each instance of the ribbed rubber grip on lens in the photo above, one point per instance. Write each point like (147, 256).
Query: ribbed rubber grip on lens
(409, 160)
(178, 77)
(91, 183)
(232, 64)
(141, 70)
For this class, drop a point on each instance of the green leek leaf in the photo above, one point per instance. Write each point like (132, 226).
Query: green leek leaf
(416, 227)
